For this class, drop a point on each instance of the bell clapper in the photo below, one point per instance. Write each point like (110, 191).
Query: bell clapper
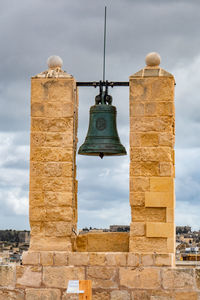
(101, 155)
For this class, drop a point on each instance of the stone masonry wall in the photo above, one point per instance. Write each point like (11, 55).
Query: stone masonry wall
(152, 197)
(115, 276)
(53, 185)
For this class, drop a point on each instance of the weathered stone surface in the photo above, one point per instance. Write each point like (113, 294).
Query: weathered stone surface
(36, 198)
(116, 259)
(11, 294)
(58, 228)
(159, 199)
(141, 295)
(148, 214)
(166, 139)
(166, 169)
(147, 278)
(28, 276)
(161, 184)
(43, 294)
(178, 279)
(61, 258)
(133, 260)
(78, 259)
(157, 229)
(30, 258)
(59, 213)
(197, 278)
(104, 277)
(147, 259)
(98, 259)
(137, 229)
(137, 199)
(139, 184)
(149, 139)
(46, 258)
(51, 125)
(58, 198)
(154, 124)
(143, 244)
(120, 295)
(163, 260)
(7, 276)
(42, 243)
(58, 277)
(186, 296)
(96, 295)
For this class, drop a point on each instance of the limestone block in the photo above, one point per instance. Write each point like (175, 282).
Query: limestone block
(158, 229)
(142, 295)
(58, 198)
(54, 154)
(58, 110)
(147, 260)
(37, 139)
(166, 139)
(159, 199)
(37, 109)
(159, 154)
(37, 213)
(58, 169)
(165, 108)
(162, 184)
(137, 199)
(96, 295)
(133, 260)
(120, 295)
(7, 276)
(36, 198)
(82, 243)
(170, 214)
(135, 169)
(36, 169)
(37, 294)
(78, 259)
(149, 168)
(147, 278)
(6, 294)
(59, 276)
(171, 243)
(186, 296)
(148, 124)
(135, 139)
(61, 258)
(37, 228)
(30, 258)
(135, 154)
(166, 169)
(116, 259)
(28, 276)
(52, 89)
(52, 125)
(178, 279)
(137, 229)
(60, 184)
(149, 139)
(104, 277)
(58, 228)
(139, 184)
(136, 109)
(150, 109)
(61, 213)
(46, 258)
(104, 242)
(98, 259)
(42, 243)
(144, 244)
(148, 214)
(162, 260)
(56, 139)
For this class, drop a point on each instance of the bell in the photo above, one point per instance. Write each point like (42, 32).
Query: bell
(102, 138)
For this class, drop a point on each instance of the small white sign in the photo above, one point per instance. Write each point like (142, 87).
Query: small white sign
(73, 287)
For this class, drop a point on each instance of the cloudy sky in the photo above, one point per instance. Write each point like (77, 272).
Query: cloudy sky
(32, 30)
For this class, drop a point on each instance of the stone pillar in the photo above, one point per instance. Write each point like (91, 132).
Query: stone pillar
(53, 188)
(152, 133)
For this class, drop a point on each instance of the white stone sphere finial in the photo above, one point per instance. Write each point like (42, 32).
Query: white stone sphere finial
(152, 59)
(54, 62)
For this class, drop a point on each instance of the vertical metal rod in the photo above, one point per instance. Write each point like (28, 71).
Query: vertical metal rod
(104, 48)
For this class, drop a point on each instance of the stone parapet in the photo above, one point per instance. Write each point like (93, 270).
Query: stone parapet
(122, 276)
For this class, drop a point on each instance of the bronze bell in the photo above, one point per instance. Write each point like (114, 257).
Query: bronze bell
(102, 137)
